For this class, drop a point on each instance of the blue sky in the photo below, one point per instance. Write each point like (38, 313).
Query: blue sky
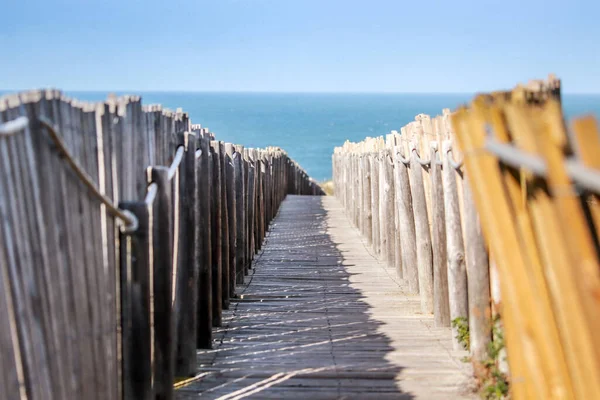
(298, 45)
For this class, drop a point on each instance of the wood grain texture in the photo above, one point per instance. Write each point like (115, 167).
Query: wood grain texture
(423, 238)
(441, 307)
(457, 269)
(205, 308)
(188, 275)
(478, 272)
(216, 234)
(164, 322)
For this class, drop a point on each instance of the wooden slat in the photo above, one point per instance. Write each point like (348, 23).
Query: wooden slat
(423, 242)
(187, 275)
(216, 232)
(164, 322)
(441, 305)
(205, 308)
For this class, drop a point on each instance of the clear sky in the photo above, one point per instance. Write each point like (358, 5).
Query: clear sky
(298, 45)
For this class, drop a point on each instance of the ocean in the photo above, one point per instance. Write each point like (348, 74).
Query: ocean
(309, 125)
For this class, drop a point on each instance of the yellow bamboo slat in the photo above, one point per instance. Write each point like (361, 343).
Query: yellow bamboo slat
(526, 202)
(541, 235)
(587, 148)
(499, 228)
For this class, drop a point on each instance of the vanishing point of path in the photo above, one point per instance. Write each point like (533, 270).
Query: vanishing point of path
(320, 318)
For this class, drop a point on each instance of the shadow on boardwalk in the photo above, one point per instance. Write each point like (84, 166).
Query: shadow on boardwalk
(300, 329)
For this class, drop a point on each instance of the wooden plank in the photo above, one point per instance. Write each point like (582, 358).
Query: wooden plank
(457, 269)
(406, 222)
(44, 180)
(188, 276)
(108, 243)
(205, 307)
(225, 252)
(389, 215)
(164, 323)
(137, 293)
(478, 272)
(423, 238)
(485, 175)
(11, 379)
(587, 145)
(246, 167)
(374, 162)
(554, 254)
(251, 209)
(239, 203)
(216, 232)
(441, 307)
(94, 274)
(368, 213)
(232, 215)
(74, 246)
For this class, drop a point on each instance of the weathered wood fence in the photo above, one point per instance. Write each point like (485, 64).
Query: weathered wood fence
(99, 301)
(536, 186)
(408, 195)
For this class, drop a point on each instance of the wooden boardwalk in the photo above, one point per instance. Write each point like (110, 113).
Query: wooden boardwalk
(319, 317)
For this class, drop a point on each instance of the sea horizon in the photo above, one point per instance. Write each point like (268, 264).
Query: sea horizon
(308, 125)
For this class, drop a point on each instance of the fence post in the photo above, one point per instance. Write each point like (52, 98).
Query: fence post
(441, 307)
(261, 199)
(374, 162)
(135, 306)
(423, 238)
(251, 209)
(244, 155)
(204, 319)
(232, 215)
(390, 214)
(215, 240)
(480, 323)
(185, 362)
(224, 229)
(367, 223)
(239, 205)
(164, 355)
(383, 218)
(457, 271)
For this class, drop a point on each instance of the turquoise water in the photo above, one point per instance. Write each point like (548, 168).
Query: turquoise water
(309, 126)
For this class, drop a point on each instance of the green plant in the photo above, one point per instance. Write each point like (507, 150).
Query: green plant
(462, 331)
(493, 382)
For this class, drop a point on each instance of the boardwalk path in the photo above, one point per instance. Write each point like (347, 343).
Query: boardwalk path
(320, 318)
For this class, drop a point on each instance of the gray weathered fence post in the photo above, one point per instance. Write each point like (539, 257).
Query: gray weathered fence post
(164, 354)
(480, 322)
(406, 222)
(424, 257)
(215, 237)
(457, 271)
(185, 361)
(204, 320)
(441, 308)
(251, 209)
(135, 306)
(239, 203)
(374, 162)
(224, 229)
(231, 215)
(389, 210)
